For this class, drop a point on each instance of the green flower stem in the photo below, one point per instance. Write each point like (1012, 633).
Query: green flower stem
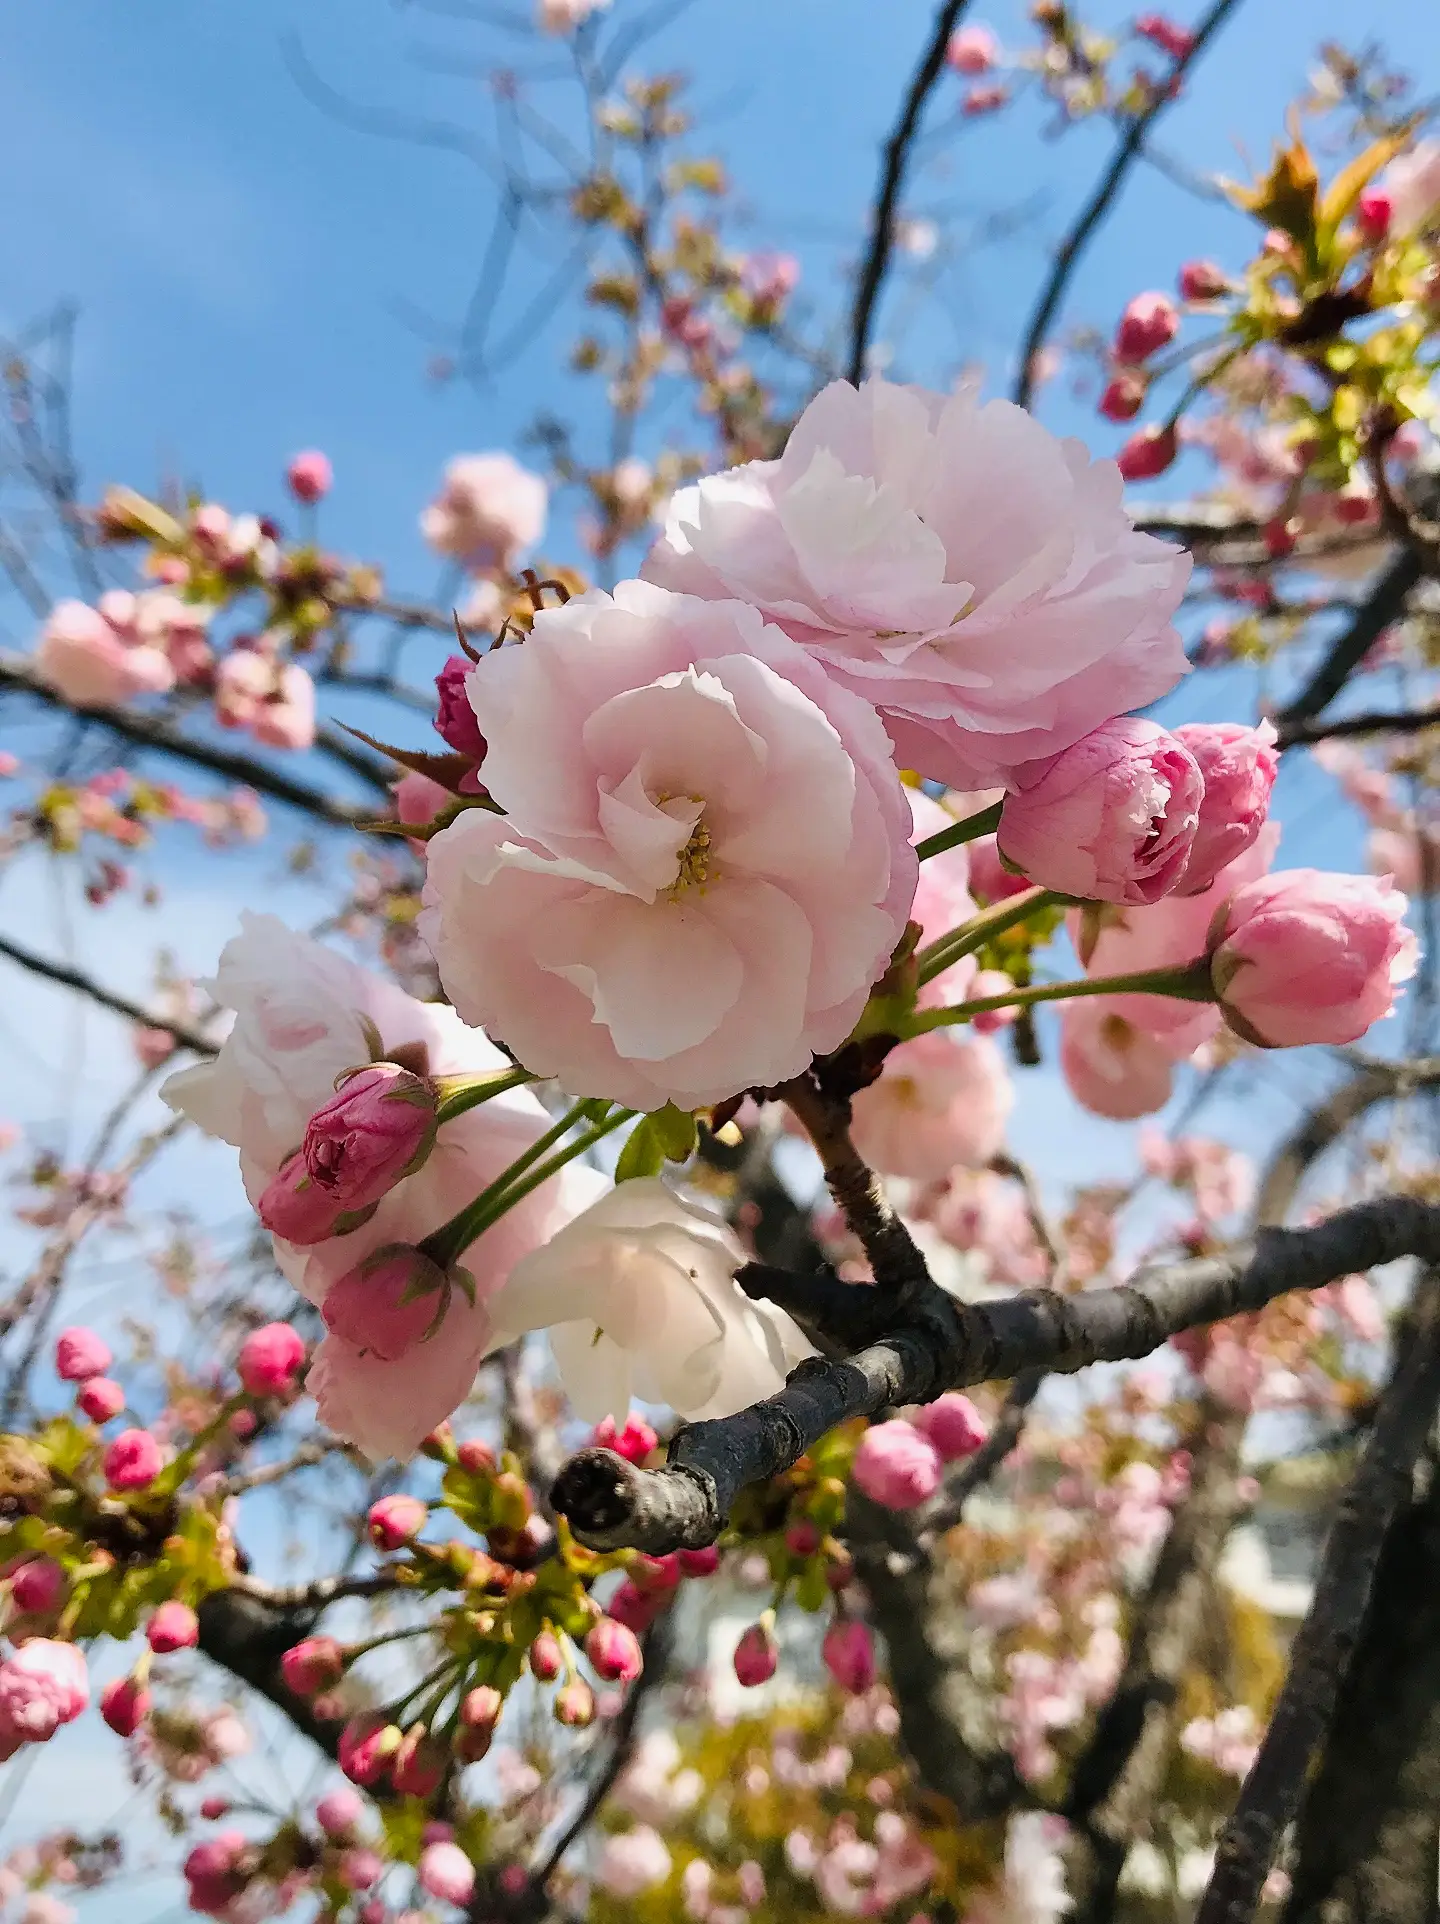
(980, 929)
(466, 1092)
(1189, 981)
(445, 1245)
(970, 830)
(443, 1674)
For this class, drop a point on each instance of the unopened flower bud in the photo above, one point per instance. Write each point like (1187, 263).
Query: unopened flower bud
(174, 1626)
(124, 1704)
(1148, 453)
(393, 1521)
(388, 1303)
(614, 1652)
(575, 1704)
(546, 1658)
(1149, 322)
(312, 1665)
(37, 1586)
(756, 1656)
(100, 1398)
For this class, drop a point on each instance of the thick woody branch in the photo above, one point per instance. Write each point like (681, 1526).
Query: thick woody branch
(1271, 1793)
(937, 1344)
(248, 1635)
(1347, 727)
(1349, 648)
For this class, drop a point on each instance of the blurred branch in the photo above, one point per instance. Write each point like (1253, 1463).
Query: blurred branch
(892, 175)
(318, 1450)
(66, 977)
(1301, 733)
(1386, 603)
(1128, 151)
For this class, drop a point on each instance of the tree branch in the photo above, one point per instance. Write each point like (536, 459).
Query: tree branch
(61, 973)
(941, 1344)
(1300, 734)
(1128, 151)
(1350, 647)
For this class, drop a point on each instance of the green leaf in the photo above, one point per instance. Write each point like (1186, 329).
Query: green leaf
(643, 1154)
(675, 1131)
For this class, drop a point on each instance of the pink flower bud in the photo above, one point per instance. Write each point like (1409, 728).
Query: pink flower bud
(990, 982)
(655, 1573)
(1148, 453)
(388, 1303)
(990, 880)
(1111, 819)
(481, 1708)
(339, 1812)
(634, 1442)
(80, 1353)
(983, 100)
(43, 1684)
(802, 1539)
(419, 1766)
(636, 1609)
(212, 1872)
(310, 475)
(213, 1807)
(269, 1358)
(475, 1457)
(37, 1586)
(1203, 281)
(395, 1520)
(575, 1705)
(1164, 33)
(367, 1743)
(1149, 322)
(100, 1399)
(125, 1704)
(1374, 211)
(133, 1460)
(1309, 957)
(360, 1868)
(1124, 396)
(455, 721)
(896, 1466)
(376, 1129)
(953, 1425)
(756, 1656)
(848, 1653)
(1239, 766)
(699, 1563)
(445, 1872)
(174, 1626)
(546, 1658)
(312, 1665)
(972, 50)
(614, 1652)
(294, 1206)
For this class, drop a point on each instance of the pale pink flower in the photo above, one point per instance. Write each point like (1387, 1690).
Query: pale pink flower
(488, 512)
(1409, 856)
(973, 49)
(444, 1871)
(974, 577)
(309, 475)
(1031, 1889)
(339, 1811)
(1115, 1069)
(1111, 819)
(632, 1861)
(942, 1100)
(1411, 184)
(83, 658)
(43, 1684)
(561, 17)
(705, 864)
(1310, 957)
(942, 897)
(1239, 766)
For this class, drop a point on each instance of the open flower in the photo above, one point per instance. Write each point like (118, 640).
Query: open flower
(976, 579)
(942, 1100)
(705, 863)
(640, 1298)
(488, 511)
(92, 664)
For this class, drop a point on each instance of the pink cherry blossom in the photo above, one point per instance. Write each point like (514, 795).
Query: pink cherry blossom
(953, 1425)
(100, 1399)
(848, 1653)
(973, 49)
(1203, 281)
(80, 1353)
(1309, 957)
(1115, 1069)
(375, 1130)
(1150, 322)
(455, 721)
(896, 1465)
(396, 1520)
(309, 475)
(133, 1460)
(124, 1704)
(756, 1656)
(614, 1651)
(269, 1358)
(43, 1684)
(631, 1862)
(444, 1871)
(706, 860)
(975, 578)
(174, 1626)
(1411, 184)
(1238, 766)
(367, 1745)
(418, 801)
(1111, 819)
(1147, 453)
(85, 660)
(339, 1812)
(312, 1665)
(488, 512)
(942, 1099)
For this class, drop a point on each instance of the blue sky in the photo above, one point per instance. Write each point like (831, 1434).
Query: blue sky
(248, 267)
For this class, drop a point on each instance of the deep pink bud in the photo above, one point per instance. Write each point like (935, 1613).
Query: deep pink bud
(1203, 281)
(294, 1206)
(575, 1705)
(213, 1807)
(174, 1626)
(419, 1764)
(848, 1653)
(1309, 957)
(896, 1466)
(360, 1868)
(614, 1652)
(100, 1399)
(655, 1573)
(395, 1520)
(699, 1563)
(367, 1743)
(1373, 211)
(133, 1460)
(38, 1585)
(269, 1358)
(339, 1811)
(80, 1353)
(546, 1658)
(455, 721)
(481, 1708)
(953, 1425)
(309, 475)
(802, 1539)
(1149, 322)
(475, 1457)
(1148, 453)
(387, 1304)
(972, 50)
(212, 1871)
(1111, 819)
(1164, 33)
(444, 1871)
(756, 1656)
(634, 1442)
(1239, 766)
(376, 1129)
(1124, 396)
(125, 1704)
(636, 1609)
(312, 1665)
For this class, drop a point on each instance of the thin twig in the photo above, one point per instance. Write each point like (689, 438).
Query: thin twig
(1299, 734)
(61, 973)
